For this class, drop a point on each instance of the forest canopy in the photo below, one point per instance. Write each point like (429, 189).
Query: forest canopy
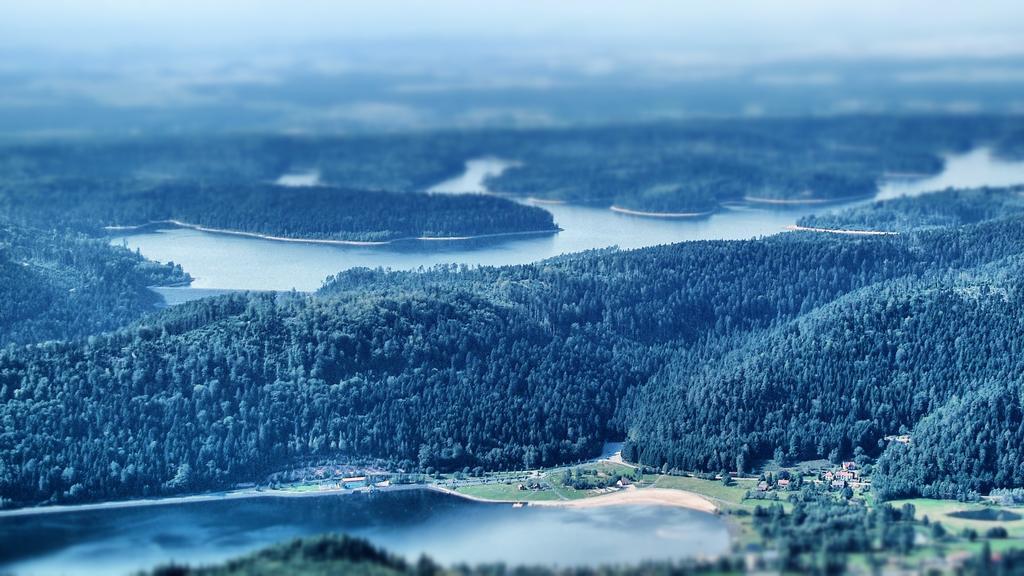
(311, 212)
(692, 166)
(702, 355)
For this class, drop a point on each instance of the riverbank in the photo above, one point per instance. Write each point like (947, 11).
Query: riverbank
(796, 228)
(330, 242)
(647, 214)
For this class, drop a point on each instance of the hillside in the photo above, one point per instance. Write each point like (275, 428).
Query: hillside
(59, 286)
(688, 167)
(684, 349)
(327, 555)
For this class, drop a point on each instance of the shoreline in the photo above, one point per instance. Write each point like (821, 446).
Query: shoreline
(904, 176)
(543, 202)
(807, 201)
(628, 496)
(796, 228)
(364, 243)
(645, 214)
(242, 494)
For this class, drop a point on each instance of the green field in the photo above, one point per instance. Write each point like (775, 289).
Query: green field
(301, 488)
(554, 478)
(939, 511)
(725, 496)
(509, 492)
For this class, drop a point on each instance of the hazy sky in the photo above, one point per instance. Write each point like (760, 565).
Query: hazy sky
(742, 28)
(334, 65)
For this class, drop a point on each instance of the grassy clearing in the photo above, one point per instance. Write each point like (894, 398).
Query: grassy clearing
(940, 510)
(727, 496)
(302, 488)
(503, 491)
(554, 478)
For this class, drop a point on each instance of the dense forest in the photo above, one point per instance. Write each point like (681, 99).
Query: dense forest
(851, 373)
(705, 355)
(691, 166)
(316, 212)
(58, 286)
(935, 210)
(339, 554)
(797, 535)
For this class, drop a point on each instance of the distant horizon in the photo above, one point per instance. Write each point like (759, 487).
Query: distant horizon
(71, 67)
(747, 30)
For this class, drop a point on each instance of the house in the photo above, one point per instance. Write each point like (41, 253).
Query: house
(783, 483)
(838, 484)
(845, 475)
(521, 487)
(762, 486)
(829, 476)
(623, 482)
(849, 465)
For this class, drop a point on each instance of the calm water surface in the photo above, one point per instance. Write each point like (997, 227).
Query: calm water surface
(229, 262)
(119, 541)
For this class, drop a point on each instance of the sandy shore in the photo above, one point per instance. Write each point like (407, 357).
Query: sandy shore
(627, 497)
(795, 228)
(638, 496)
(621, 210)
(272, 238)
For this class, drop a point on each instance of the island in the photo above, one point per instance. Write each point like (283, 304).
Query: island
(322, 214)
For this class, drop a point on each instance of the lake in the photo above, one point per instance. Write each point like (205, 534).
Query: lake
(122, 540)
(224, 262)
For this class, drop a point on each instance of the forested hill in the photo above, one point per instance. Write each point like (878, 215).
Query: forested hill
(313, 212)
(803, 344)
(58, 286)
(872, 364)
(936, 210)
(692, 166)
(332, 555)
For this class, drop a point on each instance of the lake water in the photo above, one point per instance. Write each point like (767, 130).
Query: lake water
(119, 541)
(218, 261)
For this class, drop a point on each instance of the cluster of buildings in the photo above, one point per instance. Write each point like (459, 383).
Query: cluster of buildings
(847, 474)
